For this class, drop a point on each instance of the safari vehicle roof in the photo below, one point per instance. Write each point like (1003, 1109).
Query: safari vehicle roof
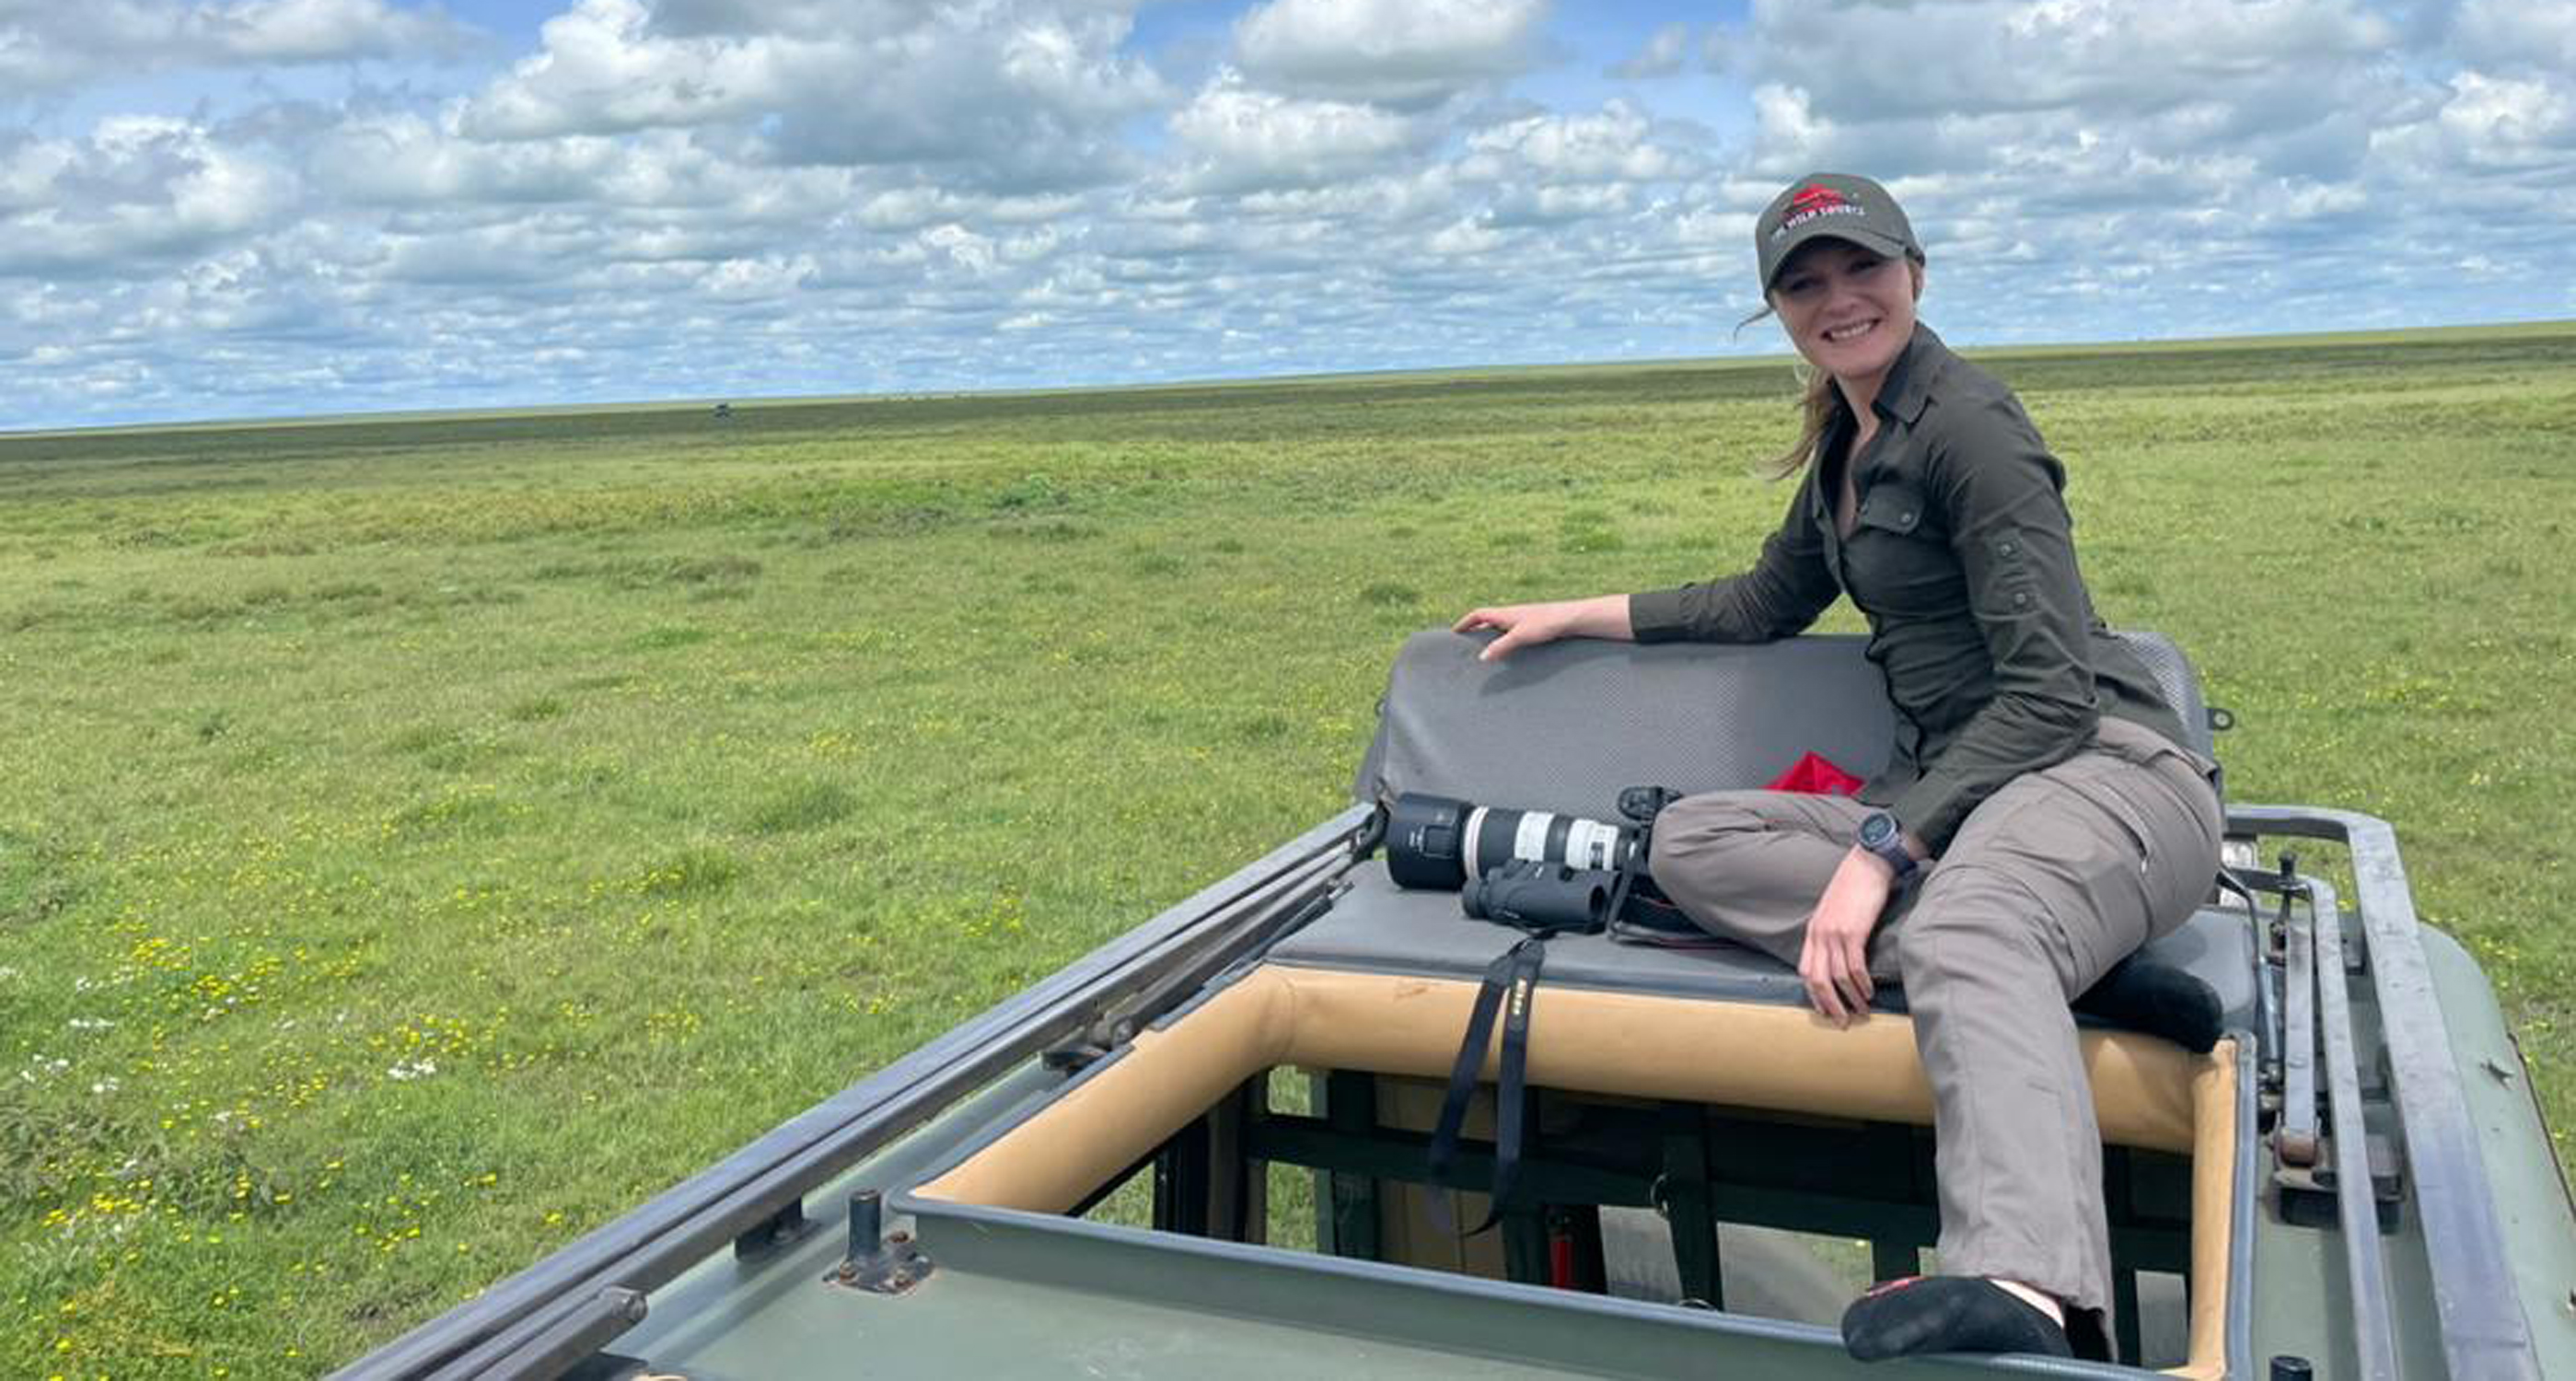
(1021, 1292)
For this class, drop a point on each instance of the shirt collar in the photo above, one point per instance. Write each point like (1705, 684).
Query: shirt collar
(1908, 385)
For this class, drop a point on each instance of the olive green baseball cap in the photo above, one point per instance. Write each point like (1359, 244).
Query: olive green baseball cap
(1839, 206)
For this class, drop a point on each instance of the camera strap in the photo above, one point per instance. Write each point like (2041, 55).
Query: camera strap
(1508, 990)
(1509, 985)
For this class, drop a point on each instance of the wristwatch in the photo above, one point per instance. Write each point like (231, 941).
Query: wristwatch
(1881, 835)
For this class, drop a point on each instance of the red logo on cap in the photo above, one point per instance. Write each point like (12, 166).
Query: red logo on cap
(1815, 199)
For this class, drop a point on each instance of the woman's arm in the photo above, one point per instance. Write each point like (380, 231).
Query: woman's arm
(1788, 586)
(1601, 616)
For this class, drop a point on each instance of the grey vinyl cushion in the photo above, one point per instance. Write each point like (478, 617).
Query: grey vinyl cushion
(1565, 725)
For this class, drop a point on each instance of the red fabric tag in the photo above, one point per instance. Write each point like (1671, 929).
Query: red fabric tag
(1817, 777)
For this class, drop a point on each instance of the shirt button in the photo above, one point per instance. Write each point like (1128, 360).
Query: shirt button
(2007, 548)
(2021, 599)
(1905, 517)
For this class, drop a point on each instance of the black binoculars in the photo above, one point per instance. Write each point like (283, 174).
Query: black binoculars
(1541, 896)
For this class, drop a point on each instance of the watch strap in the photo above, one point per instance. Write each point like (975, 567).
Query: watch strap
(1888, 842)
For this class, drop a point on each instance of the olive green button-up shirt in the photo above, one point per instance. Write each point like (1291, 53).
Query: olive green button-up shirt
(1963, 560)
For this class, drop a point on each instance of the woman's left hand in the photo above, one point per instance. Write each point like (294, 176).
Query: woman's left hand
(1835, 962)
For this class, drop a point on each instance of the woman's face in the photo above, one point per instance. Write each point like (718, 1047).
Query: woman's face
(1849, 311)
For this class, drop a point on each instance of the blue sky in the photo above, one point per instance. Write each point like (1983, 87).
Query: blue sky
(235, 208)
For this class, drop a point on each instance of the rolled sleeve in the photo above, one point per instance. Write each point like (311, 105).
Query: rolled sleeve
(2010, 529)
(1789, 584)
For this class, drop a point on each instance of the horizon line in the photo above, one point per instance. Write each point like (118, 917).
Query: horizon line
(2251, 340)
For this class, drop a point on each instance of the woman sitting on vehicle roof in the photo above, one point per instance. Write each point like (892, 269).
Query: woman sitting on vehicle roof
(2038, 821)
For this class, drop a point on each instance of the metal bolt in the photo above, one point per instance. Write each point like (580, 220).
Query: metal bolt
(867, 1221)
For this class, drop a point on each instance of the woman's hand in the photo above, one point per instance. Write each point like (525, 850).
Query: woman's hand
(1835, 962)
(1526, 625)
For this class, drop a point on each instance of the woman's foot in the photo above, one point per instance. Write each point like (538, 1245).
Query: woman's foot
(1953, 1314)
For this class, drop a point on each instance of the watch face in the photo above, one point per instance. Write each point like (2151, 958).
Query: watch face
(1877, 830)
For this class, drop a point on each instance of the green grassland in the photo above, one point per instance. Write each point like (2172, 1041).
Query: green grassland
(422, 839)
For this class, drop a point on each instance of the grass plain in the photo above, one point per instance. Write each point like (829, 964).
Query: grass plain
(423, 839)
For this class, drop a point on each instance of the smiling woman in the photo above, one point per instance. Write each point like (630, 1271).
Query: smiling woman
(2040, 819)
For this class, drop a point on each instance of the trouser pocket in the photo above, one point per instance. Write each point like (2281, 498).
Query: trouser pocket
(2161, 799)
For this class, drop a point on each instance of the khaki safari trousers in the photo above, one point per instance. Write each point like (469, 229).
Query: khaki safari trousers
(2050, 882)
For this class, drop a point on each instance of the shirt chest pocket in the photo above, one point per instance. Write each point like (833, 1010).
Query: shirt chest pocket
(1898, 557)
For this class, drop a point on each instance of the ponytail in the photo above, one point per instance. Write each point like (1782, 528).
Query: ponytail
(1817, 402)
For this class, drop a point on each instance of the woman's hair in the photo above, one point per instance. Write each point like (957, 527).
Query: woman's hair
(1816, 403)
(1817, 399)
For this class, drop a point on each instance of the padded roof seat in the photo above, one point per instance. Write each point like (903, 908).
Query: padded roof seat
(1566, 725)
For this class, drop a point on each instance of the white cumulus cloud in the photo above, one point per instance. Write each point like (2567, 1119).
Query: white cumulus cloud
(1663, 55)
(1617, 143)
(139, 189)
(1012, 92)
(1248, 138)
(1401, 52)
(2517, 34)
(2511, 122)
(47, 46)
(213, 207)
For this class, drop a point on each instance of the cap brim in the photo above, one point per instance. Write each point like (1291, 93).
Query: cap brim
(1871, 240)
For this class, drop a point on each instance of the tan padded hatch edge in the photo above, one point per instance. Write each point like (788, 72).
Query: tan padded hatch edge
(2147, 1092)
